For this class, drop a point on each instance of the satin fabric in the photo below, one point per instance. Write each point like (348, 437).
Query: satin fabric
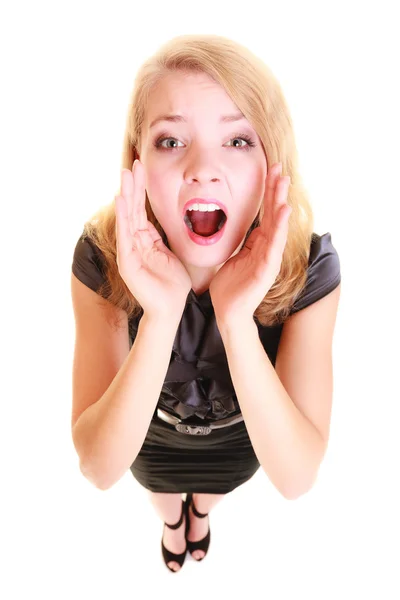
(198, 386)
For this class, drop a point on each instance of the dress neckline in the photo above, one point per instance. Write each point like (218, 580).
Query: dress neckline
(204, 299)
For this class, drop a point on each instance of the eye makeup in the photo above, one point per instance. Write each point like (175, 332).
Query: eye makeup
(164, 136)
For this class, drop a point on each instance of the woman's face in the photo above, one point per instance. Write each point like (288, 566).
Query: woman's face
(200, 157)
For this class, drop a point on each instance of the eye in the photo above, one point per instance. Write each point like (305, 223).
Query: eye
(236, 139)
(160, 141)
(243, 138)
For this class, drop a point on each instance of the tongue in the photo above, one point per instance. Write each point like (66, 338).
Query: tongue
(205, 223)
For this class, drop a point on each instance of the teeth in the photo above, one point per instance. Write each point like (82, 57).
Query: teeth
(188, 222)
(204, 207)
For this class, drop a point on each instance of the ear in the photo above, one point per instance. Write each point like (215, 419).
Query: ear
(135, 154)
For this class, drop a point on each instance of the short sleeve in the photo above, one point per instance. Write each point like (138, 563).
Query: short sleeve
(323, 273)
(88, 264)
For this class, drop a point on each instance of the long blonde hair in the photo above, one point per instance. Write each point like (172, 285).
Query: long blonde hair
(258, 95)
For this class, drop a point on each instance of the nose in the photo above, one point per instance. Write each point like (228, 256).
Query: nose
(201, 170)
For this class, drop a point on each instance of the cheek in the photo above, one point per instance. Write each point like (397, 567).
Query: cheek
(251, 184)
(156, 187)
(154, 180)
(161, 192)
(160, 179)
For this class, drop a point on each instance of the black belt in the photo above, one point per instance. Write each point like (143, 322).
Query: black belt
(194, 428)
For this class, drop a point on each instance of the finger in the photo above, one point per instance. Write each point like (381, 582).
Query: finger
(145, 238)
(270, 188)
(127, 193)
(281, 229)
(275, 249)
(155, 236)
(122, 229)
(139, 197)
(281, 192)
(284, 214)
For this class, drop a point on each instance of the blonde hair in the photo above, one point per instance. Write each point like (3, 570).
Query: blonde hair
(258, 95)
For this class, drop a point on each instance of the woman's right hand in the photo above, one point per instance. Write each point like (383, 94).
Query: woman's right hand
(153, 273)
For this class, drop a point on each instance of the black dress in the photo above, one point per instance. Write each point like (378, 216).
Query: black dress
(198, 385)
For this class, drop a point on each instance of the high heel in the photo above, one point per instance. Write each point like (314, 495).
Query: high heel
(205, 542)
(169, 556)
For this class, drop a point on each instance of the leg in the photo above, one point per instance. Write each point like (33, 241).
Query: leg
(168, 508)
(199, 527)
(205, 502)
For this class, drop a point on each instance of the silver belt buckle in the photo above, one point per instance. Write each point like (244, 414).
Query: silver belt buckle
(193, 429)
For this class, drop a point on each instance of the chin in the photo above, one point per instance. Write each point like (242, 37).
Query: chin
(211, 256)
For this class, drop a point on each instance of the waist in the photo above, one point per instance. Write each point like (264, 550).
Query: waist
(197, 428)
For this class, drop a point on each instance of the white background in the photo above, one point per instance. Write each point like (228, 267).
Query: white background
(67, 71)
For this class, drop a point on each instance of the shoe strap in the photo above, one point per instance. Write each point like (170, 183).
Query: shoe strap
(179, 523)
(196, 512)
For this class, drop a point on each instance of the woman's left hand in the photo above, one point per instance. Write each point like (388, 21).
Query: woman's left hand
(240, 285)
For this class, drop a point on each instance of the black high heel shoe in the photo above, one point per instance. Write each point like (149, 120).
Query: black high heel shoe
(205, 542)
(169, 556)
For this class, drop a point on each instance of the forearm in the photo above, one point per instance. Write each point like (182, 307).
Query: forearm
(287, 445)
(110, 433)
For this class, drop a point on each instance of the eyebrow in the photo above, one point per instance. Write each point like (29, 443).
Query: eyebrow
(180, 119)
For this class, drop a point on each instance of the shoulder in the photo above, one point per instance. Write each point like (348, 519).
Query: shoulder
(323, 272)
(88, 263)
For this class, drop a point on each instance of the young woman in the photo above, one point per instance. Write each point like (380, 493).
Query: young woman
(204, 302)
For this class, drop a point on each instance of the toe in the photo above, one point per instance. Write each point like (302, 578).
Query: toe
(174, 566)
(198, 554)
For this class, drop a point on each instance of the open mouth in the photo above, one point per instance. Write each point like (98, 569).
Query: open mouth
(205, 223)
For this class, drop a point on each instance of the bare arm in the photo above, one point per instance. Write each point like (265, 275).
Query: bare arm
(109, 434)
